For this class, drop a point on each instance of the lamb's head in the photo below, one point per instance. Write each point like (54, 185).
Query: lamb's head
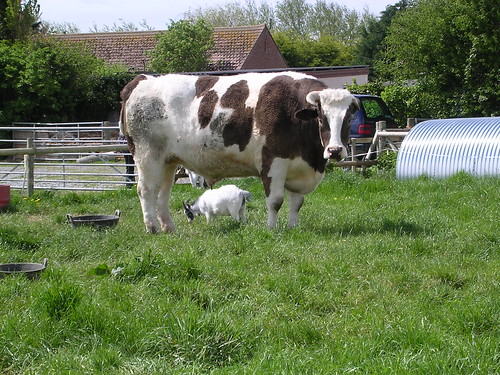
(188, 210)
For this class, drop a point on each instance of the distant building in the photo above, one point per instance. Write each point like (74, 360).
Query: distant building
(236, 49)
(247, 47)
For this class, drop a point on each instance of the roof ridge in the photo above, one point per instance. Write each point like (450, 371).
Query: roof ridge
(153, 32)
(110, 33)
(239, 28)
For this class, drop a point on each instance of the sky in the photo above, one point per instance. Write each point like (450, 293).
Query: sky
(157, 13)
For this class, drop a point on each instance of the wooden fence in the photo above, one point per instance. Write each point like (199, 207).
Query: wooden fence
(75, 156)
(82, 156)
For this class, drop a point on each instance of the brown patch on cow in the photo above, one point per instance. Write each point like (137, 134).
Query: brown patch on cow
(204, 84)
(238, 128)
(129, 87)
(206, 109)
(125, 95)
(286, 136)
(346, 123)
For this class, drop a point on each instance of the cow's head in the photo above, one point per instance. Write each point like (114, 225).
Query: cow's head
(333, 108)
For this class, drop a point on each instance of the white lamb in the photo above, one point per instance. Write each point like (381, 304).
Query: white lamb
(224, 201)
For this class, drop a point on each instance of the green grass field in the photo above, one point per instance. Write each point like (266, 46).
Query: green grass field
(380, 277)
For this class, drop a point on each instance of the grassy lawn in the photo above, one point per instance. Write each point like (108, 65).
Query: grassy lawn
(380, 277)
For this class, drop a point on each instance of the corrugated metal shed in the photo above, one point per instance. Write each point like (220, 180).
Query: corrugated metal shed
(441, 148)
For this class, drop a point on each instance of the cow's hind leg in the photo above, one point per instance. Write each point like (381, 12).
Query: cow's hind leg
(163, 198)
(295, 201)
(148, 187)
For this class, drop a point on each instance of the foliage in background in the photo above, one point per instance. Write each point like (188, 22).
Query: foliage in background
(183, 47)
(122, 26)
(43, 80)
(450, 48)
(300, 51)
(18, 19)
(320, 34)
(405, 100)
(372, 35)
(296, 17)
(233, 13)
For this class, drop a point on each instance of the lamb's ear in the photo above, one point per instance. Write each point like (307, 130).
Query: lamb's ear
(186, 205)
(306, 114)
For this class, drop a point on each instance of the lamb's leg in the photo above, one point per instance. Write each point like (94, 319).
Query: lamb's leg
(235, 212)
(243, 211)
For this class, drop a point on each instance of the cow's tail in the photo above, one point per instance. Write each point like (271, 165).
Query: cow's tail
(121, 122)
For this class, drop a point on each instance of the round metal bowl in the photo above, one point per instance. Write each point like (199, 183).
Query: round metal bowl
(31, 270)
(97, 221)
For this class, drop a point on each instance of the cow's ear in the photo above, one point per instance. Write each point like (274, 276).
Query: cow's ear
(306, 114)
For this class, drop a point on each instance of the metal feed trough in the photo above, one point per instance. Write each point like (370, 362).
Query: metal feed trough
(31, 270)
(96, 221)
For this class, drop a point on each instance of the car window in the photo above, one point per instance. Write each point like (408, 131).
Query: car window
(373, 109)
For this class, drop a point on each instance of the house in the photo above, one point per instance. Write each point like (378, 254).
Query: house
(246, 47)
(236, 50)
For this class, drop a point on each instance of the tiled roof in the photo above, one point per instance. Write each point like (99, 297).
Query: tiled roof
(128, 48)
(232, 46)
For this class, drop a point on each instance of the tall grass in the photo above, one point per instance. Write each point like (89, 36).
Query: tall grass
(381, 277)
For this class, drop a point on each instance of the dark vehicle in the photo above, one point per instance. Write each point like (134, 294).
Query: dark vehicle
(373, 109)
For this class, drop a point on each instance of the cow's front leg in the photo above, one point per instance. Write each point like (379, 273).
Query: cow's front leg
(163, 208)
(295, 201)
(273, 203)
(274, 186)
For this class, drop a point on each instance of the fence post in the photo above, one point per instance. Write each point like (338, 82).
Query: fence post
(380, 126)
(353, 152)
(29, 167)
(410, 122)
(106, 133)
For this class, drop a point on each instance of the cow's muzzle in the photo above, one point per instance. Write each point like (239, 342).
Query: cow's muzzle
(335, 152)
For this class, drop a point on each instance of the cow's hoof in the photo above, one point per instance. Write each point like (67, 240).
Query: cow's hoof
(151, 229)
(168, 229)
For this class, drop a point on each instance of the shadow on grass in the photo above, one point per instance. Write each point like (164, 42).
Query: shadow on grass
(403, 228)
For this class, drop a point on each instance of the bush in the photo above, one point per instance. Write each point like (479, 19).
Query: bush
(44, 81)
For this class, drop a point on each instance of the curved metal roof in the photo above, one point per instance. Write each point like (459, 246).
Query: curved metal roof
(441, 148)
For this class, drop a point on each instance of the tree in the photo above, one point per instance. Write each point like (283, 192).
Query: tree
(373, 33)
(42, 80)
(184, 47)
(300, 51)
(293, 16)
(233, 14)
(449, 47)
(18, 19)
(332, 19)
(122, 27)
(298, 17)
(59, 28)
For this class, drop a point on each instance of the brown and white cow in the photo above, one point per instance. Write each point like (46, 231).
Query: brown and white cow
(281, 127)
